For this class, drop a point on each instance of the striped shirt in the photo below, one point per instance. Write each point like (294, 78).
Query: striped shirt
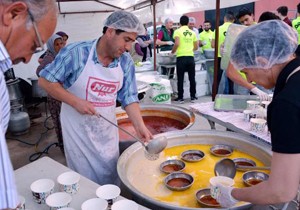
(71, 60)
(8, 191)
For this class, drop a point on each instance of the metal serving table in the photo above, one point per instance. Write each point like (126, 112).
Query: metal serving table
(233, 121)
(49, 168)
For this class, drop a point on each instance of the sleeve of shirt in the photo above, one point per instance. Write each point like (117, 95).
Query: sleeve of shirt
(67, 65)
(160, 35)
(141, 42)
(8, 191)
(128, 93)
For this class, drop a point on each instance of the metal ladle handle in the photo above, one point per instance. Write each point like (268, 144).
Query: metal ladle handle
(253, 167)
(122, 129)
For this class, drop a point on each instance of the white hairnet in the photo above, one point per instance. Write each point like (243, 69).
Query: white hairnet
(273, 40)
(125, 21)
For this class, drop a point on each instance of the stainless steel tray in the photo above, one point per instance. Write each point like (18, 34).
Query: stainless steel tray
(233, 103)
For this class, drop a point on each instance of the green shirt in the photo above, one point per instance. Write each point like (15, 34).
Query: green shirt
(206, 36)
(296, 25)
(222, 34)
(187, 38)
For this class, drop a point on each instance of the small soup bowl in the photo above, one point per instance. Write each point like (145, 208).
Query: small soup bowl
(58, 200)
(251, 178)
(258, 124)
(69, 182)
(178, 181)
(205, 199)
(243, 162)
(192, 155)
(251, 104)
(125, 205)
(221, 150)
(171, 166)
(108, 192)
(94, 204)
(41, 189)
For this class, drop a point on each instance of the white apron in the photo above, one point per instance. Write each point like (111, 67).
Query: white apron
(91, 144)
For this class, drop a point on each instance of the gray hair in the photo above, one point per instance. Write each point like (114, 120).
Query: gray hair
(168, 20)
(192, 20)
(38, 8)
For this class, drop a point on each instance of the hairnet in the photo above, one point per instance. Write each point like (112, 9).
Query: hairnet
(273, 40)
(125, 21)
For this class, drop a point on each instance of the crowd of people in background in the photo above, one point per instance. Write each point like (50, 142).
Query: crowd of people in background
(235, 81)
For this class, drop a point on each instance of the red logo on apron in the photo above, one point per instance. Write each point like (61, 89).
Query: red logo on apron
(101, 92)
(103, 88)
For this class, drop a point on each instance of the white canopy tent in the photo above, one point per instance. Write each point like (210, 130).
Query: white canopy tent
(83, 19)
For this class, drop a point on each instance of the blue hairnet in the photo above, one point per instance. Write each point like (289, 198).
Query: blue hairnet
(273, 40)
(125, 21)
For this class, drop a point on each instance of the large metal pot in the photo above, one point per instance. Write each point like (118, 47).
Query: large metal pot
(178, 113)
(37, 91)
(166, 58)
(14, 90)
(209, 53)
(134, 156)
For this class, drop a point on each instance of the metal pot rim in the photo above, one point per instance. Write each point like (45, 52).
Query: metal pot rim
(266, 148)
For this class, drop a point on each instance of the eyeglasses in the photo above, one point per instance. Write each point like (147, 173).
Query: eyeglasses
(41, 47)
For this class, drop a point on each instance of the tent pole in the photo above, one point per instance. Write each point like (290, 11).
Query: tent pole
(154, 33)
(214, 89)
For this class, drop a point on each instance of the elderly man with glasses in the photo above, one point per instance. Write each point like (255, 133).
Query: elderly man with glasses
(23, 32)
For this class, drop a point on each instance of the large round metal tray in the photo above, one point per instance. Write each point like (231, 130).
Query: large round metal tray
(256, 148)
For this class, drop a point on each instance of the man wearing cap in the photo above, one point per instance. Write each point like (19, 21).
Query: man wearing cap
(88, 77)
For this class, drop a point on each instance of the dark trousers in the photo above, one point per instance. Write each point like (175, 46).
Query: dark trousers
(144, 50)
(54, 107)
(186, 64)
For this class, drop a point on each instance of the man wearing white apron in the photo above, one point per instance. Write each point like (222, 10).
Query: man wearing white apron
(88, 77)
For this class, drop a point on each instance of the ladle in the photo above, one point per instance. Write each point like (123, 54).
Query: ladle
(154, 147)
(227, 167)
